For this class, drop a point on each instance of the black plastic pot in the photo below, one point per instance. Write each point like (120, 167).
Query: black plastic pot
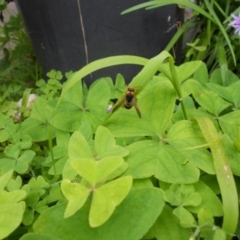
(56, 30)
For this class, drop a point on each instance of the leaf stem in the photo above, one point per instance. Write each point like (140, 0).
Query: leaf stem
(176, 84)
(51, 148)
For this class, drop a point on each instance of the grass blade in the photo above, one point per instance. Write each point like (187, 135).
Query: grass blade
(224, 175)
(221, 28)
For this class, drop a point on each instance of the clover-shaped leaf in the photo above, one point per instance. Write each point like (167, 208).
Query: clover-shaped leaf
(11, 197)
(183, 195)
(79, 147)
(38, 183)
(165, 162)
(96, 171)
(76, 194)
(23, 161)
(209, 200)
(105, 144)
(104, 201)
(106, 198)
(10, 217)
(5, 178)
(186, 218)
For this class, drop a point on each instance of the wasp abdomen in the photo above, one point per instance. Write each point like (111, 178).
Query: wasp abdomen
(129, 97)
(128, 105)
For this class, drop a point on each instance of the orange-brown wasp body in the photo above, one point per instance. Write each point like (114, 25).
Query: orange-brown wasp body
(129, 101)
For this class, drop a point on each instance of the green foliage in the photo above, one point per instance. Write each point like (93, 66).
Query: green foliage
(213, 41)
(71, 170)
(19, 67)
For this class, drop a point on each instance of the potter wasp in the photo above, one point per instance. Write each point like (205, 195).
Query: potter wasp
(128, 100)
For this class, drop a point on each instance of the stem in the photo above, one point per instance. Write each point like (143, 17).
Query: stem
(176, 84)
(51, 148)
(220, 9)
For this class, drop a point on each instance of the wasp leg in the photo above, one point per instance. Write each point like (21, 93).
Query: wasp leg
(134, 103)
(118, 104)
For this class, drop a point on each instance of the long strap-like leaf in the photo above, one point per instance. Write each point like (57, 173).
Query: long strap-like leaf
(223, 173)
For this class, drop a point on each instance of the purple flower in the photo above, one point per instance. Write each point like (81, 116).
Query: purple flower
(235, 23)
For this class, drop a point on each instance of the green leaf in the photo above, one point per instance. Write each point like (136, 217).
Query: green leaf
(37, 236)
(14, 184)
(106, 198)
(28, 216)
(75, 95)
(97, 102)
(209, 100)
(166, 163)
(222, 58)
(54, 194)
(221, 91)
(4, 179)
(190, 198)
(162, 104)
(11, 197)
(79, 147)
(233, 90)
(209, 200)
(99, 64)
(86, 130)
(131, 211)
(201, 74)
(32, 198)
(173, 195)
(4, 135)
(182, 196)
(187, 137)
(232, 154)
(23, 161)
(217, 78)
(119, 171)
(41, 206)
(68, 171)
(142, 183)
(96, 171)
(186, 218)
(26, 142)
(6, 164)
(37, 130)
(173, 167)
(76, 194)
(229, 124)
(10, 218)
(126, 123)
(41, 110)
(92, 109)
(167, 227)
(219, 234)
(186, 70)
(105, 144)
(205, 217)
(67, 120)
(12, 151)
(38, 183)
